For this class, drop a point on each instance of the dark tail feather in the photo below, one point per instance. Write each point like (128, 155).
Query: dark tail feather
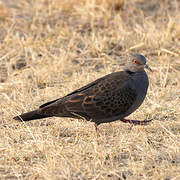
(32, 115)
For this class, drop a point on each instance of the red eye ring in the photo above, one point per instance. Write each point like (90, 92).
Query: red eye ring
(135, 61)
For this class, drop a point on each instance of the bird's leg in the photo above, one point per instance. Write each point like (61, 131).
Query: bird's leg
(130, 127)
(136, 122)
(96, 128)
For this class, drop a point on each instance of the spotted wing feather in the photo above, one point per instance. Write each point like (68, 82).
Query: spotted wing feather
(106, 97)
(103, 98)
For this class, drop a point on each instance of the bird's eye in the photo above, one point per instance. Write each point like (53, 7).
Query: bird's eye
(135, 61)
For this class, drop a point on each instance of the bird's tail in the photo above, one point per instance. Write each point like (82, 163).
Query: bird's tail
(32, 115)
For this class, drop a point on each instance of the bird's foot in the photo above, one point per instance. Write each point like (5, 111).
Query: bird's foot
(136, 122)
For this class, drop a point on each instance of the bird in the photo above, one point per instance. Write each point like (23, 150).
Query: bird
(110, 98)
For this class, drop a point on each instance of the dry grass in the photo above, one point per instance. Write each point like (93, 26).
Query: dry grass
(49, 48)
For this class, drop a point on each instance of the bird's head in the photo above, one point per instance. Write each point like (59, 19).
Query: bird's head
(137, 63)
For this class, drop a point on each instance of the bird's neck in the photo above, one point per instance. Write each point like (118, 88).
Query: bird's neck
(129, 72)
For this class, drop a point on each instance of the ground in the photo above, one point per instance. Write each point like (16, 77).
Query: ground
(50, 48)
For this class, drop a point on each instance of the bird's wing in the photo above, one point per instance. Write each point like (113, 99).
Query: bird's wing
(105, 97)
(108, 97)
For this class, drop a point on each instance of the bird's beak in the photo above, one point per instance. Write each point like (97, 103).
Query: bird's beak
(147, 67)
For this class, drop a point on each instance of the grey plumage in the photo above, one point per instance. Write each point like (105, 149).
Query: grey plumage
(110, 98)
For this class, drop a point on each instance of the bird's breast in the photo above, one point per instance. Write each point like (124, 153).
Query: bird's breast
(140, 82)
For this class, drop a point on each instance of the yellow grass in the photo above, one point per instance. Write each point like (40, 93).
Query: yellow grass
(50, 48)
